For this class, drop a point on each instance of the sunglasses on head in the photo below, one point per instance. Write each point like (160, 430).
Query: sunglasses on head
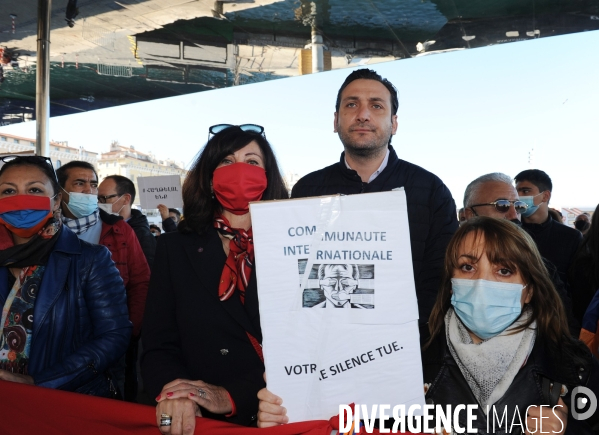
(503, 205)
(252, 128)
(29, 159)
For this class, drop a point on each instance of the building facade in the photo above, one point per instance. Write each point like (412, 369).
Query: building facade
(131, 163)
(60, 152)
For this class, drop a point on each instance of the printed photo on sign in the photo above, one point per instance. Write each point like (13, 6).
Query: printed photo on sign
(338, 285)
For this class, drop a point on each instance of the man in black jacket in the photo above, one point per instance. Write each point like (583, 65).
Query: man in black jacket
(365, 119)
(170, 218)
(115, 196)
(557, 243)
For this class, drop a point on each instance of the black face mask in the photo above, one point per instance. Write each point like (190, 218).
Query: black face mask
(581, 225)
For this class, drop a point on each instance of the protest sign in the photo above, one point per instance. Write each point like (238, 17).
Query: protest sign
(337, 300)
(160, 190)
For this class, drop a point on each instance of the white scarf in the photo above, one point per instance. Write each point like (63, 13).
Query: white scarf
(81, 225)
(491, 366)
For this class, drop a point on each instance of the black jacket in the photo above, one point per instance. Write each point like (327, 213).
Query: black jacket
(582, 282)
(169, 225)
(447, 385)
(431, 213)
(139, 222)
(190, 334)
(557, 243)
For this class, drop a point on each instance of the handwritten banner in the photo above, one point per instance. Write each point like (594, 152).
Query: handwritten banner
(337, 300)
(160, 190)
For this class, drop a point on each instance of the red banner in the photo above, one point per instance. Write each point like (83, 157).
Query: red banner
(29, 410)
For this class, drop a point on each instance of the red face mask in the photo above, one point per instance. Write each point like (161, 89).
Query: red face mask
(25, 215)
(236, 185)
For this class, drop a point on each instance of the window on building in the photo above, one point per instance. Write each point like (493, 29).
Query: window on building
(56, 149)
(3, 138)
(58, 164)
(15, 140)
(31, 143)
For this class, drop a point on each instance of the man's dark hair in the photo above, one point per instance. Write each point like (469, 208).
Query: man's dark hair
(536, 177)
(123, 185)
(369, 74)
(155, 227)
(63, 172)
(174, 210)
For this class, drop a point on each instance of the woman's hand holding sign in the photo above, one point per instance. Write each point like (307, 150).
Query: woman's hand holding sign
(270, 411)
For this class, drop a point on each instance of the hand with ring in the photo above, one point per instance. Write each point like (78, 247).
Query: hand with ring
(182, 398)
(177, 417)
(165, 420)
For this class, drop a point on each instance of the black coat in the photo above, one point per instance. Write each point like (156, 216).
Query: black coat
(190, 334)
(169, 225)
(447, 385)
(139, 222)
(431, 213)
(557, 243)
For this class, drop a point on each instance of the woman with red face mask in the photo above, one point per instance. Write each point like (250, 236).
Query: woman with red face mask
(201, 331)
(64, 319)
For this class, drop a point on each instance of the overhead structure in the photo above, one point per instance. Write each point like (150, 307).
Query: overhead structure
(106, 53)
(42, 92)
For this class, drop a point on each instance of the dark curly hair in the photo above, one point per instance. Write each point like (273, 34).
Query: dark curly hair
(199, 206)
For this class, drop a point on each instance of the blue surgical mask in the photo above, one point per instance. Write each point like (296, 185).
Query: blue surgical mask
(82, 204)
(487, 308)
(530, 202)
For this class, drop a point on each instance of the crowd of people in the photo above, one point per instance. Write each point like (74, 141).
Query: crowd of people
(503, 286)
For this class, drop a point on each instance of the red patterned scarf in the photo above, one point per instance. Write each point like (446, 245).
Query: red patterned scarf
(238, 267)
(237, 270)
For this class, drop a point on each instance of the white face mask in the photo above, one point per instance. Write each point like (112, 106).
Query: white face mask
(108, 207)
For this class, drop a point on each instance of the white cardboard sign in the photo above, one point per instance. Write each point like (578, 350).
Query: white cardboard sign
(160, 190)
(337, 300)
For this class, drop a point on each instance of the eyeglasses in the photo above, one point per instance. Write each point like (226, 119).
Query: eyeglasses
(503, 206)
(103, 199)
(29, 159)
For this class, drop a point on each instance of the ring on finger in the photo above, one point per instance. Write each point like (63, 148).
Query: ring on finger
(202, 394)
(165, 420)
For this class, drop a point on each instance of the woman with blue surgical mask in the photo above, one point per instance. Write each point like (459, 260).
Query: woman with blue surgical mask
(497, 338)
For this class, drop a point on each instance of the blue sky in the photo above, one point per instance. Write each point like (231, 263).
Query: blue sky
(461, 115)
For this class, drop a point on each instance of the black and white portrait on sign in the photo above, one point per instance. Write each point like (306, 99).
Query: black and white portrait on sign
(338, 285)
